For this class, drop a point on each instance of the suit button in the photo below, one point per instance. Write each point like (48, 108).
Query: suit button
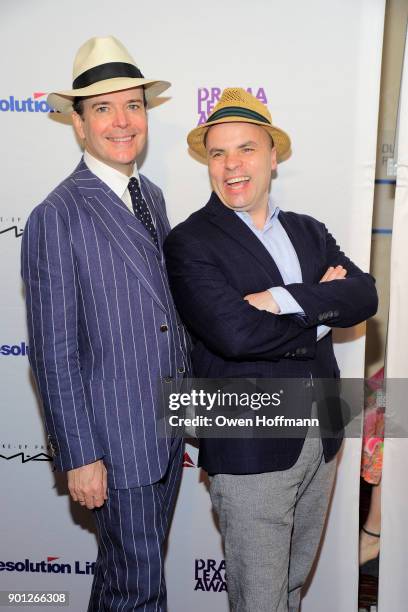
(181, 370)
(164, 327)
(53, 446)
(167, 379)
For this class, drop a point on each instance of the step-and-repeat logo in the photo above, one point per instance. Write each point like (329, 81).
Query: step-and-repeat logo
(14, 350)
(187, 461)
(33, 104)
(207, 98)
(11, 226)
(209, 575)
(48, 566)
(24, 452)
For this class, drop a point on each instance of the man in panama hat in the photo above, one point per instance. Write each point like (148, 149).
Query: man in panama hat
(254, 285)
(103, 329)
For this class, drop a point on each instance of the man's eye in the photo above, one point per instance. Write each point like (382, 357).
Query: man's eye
(134, 106)
(248, 149)
(216, 154)
(102, 109)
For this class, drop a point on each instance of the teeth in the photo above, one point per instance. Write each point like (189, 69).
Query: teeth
(123, 139)
(238, 179)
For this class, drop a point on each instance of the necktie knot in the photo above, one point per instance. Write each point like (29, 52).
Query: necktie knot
(141, 210)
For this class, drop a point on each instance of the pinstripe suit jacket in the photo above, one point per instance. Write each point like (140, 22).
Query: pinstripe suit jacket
(103, 330)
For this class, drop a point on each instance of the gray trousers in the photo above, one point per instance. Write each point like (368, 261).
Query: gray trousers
(271, 525)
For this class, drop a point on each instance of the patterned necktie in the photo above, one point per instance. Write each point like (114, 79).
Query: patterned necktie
(142, 213)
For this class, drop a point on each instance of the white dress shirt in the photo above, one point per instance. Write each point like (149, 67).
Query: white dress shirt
(117, 181)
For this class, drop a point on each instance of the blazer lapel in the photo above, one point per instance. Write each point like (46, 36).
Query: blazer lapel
(302, 248)
(232, 225)
(159, 217)
(126, 235)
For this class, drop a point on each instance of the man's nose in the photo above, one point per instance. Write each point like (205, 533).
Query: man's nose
(232, 161)
(120, 119)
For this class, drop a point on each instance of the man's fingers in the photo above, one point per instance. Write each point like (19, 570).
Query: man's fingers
(88, 484)
(332, 273)
(326, 274)
(99, 501)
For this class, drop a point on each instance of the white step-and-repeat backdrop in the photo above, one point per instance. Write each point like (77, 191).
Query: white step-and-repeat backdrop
(317, 65)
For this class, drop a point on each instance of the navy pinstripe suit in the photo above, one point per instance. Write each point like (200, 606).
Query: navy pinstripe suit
(103, 335)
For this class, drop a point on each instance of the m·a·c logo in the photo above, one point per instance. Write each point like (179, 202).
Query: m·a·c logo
(24, 452)
(11, 226)
(32, 104)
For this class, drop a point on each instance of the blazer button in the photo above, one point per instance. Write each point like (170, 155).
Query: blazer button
(164, 327)
(53, 446)
(181, 370)
(167, 379)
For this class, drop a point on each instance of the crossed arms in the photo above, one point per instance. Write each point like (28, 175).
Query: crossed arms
(217, 313)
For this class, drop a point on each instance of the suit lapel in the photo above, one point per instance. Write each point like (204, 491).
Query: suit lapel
(302, 248)
(232, 225)
(158, 213)
(126, 235)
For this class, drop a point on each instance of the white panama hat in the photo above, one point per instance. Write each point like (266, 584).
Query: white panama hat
(103, 65)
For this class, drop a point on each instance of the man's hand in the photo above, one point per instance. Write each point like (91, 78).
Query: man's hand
(337, 273)
(88, 484)
(263, 301)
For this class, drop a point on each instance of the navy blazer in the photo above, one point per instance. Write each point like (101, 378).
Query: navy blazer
(213, 261)
(103, 330)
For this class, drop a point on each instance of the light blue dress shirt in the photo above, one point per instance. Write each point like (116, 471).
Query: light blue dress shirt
(276, 241)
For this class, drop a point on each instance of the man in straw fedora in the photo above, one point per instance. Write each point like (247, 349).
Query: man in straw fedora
(255, 284)
(103, 329)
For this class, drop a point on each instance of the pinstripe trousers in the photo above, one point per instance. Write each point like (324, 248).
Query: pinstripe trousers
(132, 527)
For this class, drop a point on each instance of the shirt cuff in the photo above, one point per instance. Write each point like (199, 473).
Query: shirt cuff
(285, 301)
(322, 331)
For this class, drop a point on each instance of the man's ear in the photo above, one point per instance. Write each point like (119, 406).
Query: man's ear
(78, 124)
(274, 161)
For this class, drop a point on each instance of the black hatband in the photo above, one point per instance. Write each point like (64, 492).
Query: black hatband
(237, 111)
(111, 70)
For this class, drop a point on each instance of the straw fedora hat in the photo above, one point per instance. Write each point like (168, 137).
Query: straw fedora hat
(103, 65)
(237, 105)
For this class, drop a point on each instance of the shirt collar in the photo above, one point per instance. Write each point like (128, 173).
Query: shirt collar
(114, 179)
(273, 212)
